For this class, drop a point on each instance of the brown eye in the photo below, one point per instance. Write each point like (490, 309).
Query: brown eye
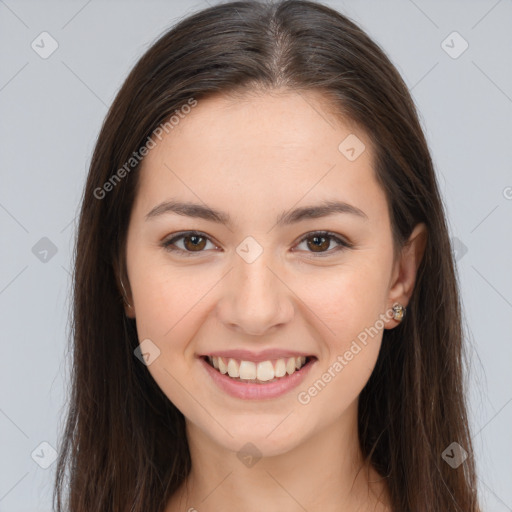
(197, 243)
(319, 243)
(192, 242)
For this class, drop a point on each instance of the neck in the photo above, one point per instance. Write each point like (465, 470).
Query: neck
(324, 472)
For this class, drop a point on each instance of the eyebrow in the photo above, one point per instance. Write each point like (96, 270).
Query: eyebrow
(285, 218)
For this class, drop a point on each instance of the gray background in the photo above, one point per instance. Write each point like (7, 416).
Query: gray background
(51, 112)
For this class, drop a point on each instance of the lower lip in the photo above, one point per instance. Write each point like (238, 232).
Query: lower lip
(252, 391)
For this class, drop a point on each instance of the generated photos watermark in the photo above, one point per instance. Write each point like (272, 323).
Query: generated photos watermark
(137, 156)
(342, 360)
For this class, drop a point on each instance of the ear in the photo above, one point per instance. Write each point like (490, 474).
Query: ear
(123, 286)
(406, 268)
(129, 308)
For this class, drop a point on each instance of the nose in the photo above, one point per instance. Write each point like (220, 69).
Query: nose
(255, 298)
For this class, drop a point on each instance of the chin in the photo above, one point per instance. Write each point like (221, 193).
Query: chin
(257, 437)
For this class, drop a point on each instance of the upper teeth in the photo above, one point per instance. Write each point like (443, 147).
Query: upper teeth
(264, 370)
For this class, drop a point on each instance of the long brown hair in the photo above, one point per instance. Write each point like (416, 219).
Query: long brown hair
(124, 446)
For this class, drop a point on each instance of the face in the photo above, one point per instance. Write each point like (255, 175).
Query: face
(257, 283)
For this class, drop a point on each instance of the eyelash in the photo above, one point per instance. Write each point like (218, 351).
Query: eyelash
(168, 244)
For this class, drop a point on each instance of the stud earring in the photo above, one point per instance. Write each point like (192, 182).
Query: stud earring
(399, 312)
(124, 294)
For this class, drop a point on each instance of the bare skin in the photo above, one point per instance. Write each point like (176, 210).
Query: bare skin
(254, 158)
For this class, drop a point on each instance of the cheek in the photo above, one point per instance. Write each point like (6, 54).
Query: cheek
(171, 302)
(170, 310)
(344, 300)
(349, 309)
(164, 303)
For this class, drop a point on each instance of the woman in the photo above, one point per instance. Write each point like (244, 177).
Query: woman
(266, 313)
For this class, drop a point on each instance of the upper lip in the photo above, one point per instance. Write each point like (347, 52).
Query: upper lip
(264, 355)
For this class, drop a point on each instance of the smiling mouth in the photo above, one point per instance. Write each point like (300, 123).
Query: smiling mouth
(262, 372)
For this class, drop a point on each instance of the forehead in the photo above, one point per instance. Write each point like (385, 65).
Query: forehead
(259, 149)
(280, 121)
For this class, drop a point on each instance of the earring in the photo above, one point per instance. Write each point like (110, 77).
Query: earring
(399, 312)
(124, 294)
